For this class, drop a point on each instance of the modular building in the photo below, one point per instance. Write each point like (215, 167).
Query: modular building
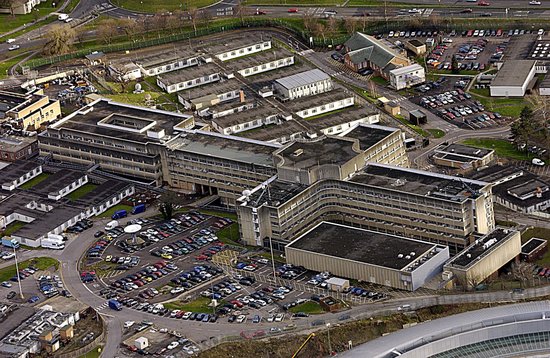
(407, 76)
(368, 256)
(463, 157)
(302, 84)
(514, 78)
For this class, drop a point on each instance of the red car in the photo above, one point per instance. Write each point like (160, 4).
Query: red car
(292, 10)
(483, 3)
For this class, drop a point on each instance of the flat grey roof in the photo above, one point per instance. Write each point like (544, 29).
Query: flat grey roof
(256, 59)
(57, 181)
(531, 245)
(300, 104)
(361, 245)
(223, 146)
(16, 170)
(276, 192)
(343, 116)
(103, 191)
(369, 134)
(261, 111)
(188, 74)
(464, 150)
(325, 150)
(495, 173)
(418, 182)
(220, 87)
(160, 58)
(274, 131)
(513, 73)
(15, 143)
(86, 120)
(303, 78)
(521, 191)
(474, 252)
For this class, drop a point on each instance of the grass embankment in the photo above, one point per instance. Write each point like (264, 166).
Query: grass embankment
(508, 107)
(160, 6)
(436, 133)
(9, 63)
(200, 305)
(41, 263)
(414, 127)
(358, 332)
(502, 147)
(308, 307)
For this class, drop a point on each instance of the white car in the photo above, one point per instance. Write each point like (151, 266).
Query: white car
(534, 2)
(187, 315)
(128, 324)
(173, 345)
(177, 290)
(279, 317)
(537, 161)
(13, 47)
(241, 318)
(9, 41)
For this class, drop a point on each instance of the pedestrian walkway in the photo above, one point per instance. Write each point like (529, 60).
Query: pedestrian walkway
(102, 306)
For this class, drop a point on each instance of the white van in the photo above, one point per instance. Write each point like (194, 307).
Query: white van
(52, 244)
(62, 17)
(111, 225)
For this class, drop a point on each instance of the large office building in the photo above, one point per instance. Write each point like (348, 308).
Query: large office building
(367, 256)
(416, 204)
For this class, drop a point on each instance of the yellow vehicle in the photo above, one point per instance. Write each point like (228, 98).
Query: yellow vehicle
(166, 256)
(109, 258)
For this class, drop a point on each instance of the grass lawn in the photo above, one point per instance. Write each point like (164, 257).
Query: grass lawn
(229, 234)
(309, 307)
(111, 211)
(414, 127)
(8, 22)
(292, 2)
(40, 263)
(13, 227)
(379, 80)
(509, 107)
(94, 353)
(80, 192)
(200, 305)
(160, 5)
(34, 181)
(437, 133)
(7, 64)
(505, 223)
(221, 214)
(502, 148)
(133, 98)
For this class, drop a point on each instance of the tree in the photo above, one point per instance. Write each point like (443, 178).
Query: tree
(350, 24)
(522, 272)
(59, 40)
(8, 4)
(193, 17)
(320, 30)
(364, 20)
(454, 65)
(309, 21)
(130, 27)
(167, 204)
(332, 27)
(523, 128)
(240, 11)
(107, 30)
(205, 18)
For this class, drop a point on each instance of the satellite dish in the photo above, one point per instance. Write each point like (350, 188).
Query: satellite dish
(147, 96)
(132, 229)
(137, 87)
(247, 193)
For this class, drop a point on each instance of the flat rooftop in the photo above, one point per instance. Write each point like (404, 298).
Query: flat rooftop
(229, 42)
(257, 59)
(361, 245)
(369, 134)
(260, 112)
(57, 181)
(513, 73)
(274, 132)
(16, 170)
(303, 78)
(102, 192)
(464, 151)
(339, 117)
(220, 87)
(93, 119)
(223, 146)
(10, 101)
(160, 58)
(481, 247)
(418, 182)
(531, 245)
(322, 151)
(266, 78)
(495, 173)
(307, 102)
(15, 143)
(275, 193)
(523, 190)
(188, 74)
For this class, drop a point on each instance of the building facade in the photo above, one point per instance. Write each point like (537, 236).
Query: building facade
(303, 84)
(407, 76)
(28, 111)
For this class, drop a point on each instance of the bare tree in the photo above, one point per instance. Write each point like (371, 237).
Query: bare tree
(240, 11)
(107, 30)
(205, 18)
(364, 20)
(320, 30)
(331, 27)
(540, 105)
(350, 23)
(522, 272)
(130, 27)
(59, 40)
(8, 4)
(309, 21)
(194, 17)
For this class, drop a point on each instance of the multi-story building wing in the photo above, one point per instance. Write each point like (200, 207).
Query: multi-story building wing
(417, 204)
(121, 138)
(28, 111)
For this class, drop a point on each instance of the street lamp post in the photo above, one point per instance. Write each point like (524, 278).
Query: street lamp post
(17, 273)
(272, 261)
(329, 345)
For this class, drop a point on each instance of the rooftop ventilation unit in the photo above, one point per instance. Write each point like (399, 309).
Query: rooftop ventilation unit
(298, 152)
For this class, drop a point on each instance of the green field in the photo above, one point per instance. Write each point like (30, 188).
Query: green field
(292, 2)
(161, 5)
(80, 192)
(8, 22)
(34, 181)
(200, 305)
(308, 307)
(414, 127)
(92, 354)
(502, 147)
(437, 133)
(508, 107)
(111, 211)
(7, 64)
(40, 263)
